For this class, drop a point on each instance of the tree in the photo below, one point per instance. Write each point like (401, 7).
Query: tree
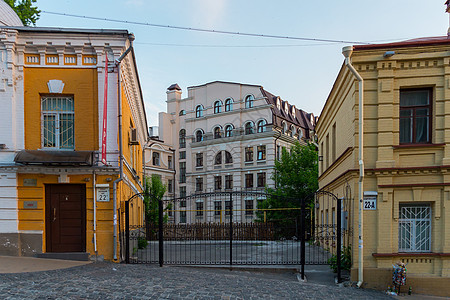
(154, 192)
(296, 177)
(27, 13)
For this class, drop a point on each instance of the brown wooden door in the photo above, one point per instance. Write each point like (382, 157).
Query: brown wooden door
(65, 217)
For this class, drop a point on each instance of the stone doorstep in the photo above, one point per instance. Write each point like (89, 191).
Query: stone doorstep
(79, 256)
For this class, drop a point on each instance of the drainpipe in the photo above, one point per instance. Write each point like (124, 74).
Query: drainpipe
(95, 213)
(119, 100)
(347, 52)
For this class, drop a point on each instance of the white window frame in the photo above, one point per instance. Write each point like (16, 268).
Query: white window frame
(57, 116)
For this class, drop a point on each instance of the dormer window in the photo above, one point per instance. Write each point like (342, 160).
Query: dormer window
(278, 104)
(293, 110)
(292, 130)
(286, 108)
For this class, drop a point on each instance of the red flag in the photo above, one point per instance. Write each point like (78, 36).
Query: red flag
(105, 102)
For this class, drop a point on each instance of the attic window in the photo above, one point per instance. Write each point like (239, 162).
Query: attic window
(293, 110)
(286, 109)
(278, 104)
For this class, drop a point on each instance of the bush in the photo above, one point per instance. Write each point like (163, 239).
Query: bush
(142, 243)
(346, 260)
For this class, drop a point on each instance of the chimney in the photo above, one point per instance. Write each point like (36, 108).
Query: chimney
(174, 92)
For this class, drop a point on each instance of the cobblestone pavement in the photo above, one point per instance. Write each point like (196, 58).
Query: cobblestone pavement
(119, 281)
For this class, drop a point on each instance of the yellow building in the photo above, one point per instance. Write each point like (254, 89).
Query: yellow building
(406, 156)
(60, 192)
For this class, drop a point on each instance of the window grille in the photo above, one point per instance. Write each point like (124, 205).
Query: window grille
(58, 122)
(414, 229)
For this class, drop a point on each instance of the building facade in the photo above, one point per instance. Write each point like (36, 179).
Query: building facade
(58, 192)
(406, 159)
(227, 137)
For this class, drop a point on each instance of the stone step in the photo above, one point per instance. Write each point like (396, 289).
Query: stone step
(80, 256)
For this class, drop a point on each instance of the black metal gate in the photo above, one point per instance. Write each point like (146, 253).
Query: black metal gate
(236, 228)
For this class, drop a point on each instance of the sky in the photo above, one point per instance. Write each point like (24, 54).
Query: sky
(300, 72)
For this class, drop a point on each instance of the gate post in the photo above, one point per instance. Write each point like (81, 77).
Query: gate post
(160, 232)
(338, 237)
(302, 235)
(231, 229)
(127, 232)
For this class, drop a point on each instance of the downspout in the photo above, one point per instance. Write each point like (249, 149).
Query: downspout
(95, 213)
(347, 52)
(119, 100)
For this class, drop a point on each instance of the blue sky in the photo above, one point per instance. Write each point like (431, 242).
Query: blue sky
(300, 72)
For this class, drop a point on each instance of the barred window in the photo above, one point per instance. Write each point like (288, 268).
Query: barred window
(414, 228)
(58, 122)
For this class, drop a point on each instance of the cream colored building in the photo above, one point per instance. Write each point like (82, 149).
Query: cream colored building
(406, 159)
(227, 137)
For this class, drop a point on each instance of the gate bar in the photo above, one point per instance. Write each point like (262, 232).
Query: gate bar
(338, 237)
(160, 232)
(127, 232)
(302, 234)
(231, 229)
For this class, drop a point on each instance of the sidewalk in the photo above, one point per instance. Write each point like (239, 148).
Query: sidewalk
(16, 264)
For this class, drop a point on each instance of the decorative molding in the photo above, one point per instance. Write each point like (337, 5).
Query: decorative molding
(55, 86)
(32, 59)
(89, 60)
(70, 59)
(51, 59)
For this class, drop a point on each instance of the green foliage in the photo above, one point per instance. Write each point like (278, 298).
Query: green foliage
(154, 192)
(296, 177)
(142, 243)
(346, 260)
(27, 13)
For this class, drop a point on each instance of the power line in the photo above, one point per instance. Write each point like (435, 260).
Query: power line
(207, 30)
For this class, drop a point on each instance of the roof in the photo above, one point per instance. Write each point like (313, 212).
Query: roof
(8, 16)
(425, 41)
(225, 82)
(54, 157)
(66, 30)
(174, 86)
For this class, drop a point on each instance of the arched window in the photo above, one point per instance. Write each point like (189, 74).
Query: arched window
(300, 133)
(249, 128)
(229, 104)
(249, 101)
(182, 138)
(218, 158)
(199, 111)
(229, 130)
(228, 158)
(261, 126)
(278, 103)
(292, 130)
(293, 110)
(286, 108)
(182, 112)
(217, 132)
(217, 106)
(199, 135)
(283, 127)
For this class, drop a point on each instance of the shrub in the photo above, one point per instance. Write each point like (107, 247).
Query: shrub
(142, 243)
(346, 260)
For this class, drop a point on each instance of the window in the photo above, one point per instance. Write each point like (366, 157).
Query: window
(183, 194)
(199, 160)
(249, 128)
(182, 154)
(182, 112)
(199, 184)
(228, 158)
(261, 179)
(415, 116)
(248, 181)
(218, 158)
(261, 152)
(249, 101)
(248, 154)
(229, 104)
(248, 207)
(217, 107)
(261, 126)
(292, 131)
(286, 108)
(333, 143)
(58, 122)
(182, 140)
(182, 217)
(199, 135)
(229, 130)
(327, 151)
(278, 152)
(182, 172)
(169, 162)
(217, 208)
(283, 127)
(199, 111)
(228, 208)
(300, 133)
(199, 208)
(414, 228)
(217, 182)
(217, 132)
(170, 186)
(155, 158)
(228, 182)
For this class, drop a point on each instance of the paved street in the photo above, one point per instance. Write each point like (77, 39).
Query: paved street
(119, 281)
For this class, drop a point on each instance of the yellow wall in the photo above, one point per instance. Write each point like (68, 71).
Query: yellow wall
(79, 83)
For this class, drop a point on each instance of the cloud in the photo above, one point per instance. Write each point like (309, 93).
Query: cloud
(211, 12)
